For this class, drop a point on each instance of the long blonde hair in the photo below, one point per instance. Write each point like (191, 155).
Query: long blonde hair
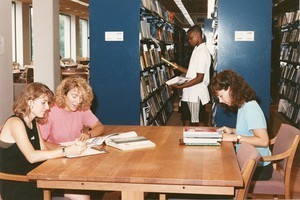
(31, 92)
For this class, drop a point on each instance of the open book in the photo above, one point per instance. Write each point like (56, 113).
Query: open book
(178, 80)
(123, 141)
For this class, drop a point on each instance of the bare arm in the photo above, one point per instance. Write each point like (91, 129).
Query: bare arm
(96, 130)
(15, 132)
(260, 138)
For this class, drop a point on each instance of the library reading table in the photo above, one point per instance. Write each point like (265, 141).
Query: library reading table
(166, 168)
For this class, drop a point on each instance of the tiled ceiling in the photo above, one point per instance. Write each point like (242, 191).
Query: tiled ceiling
(196, 8)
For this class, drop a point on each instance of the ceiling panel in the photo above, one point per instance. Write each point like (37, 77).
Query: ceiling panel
(196, 8)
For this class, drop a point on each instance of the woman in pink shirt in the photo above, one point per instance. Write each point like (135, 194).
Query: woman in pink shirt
(69, 116)
(71, 113)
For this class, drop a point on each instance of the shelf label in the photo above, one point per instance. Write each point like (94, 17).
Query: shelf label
(244, 36)
(114, 36)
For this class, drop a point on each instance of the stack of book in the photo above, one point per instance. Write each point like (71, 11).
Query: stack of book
(201, 136)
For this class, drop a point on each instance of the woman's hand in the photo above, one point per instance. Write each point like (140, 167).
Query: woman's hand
(84, 136)
(76, 149)
(228, 134)
(225, 129)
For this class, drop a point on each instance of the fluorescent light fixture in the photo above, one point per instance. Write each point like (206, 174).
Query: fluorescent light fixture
(210, 8)
(184, 11)
(80, 2)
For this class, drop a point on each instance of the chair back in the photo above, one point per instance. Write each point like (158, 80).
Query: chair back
(286, 143)
(287, 138)
(248, 158)
(29, 75)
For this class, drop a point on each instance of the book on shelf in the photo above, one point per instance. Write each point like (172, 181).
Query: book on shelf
(177, 80)
(168, 62)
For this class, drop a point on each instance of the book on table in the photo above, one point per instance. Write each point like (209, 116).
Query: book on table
(201, 137)
(123, 141)
(202, 132)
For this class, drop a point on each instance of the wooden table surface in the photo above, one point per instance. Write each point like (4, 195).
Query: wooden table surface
(166, 168)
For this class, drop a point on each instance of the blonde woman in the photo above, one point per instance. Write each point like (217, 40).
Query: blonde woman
(71, 113)
(21, 146)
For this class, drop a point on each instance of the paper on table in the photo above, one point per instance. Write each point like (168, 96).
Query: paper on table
(87, 152)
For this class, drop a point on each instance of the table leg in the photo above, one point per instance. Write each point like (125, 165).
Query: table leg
(47, 194)
(129, 195)
(162, 197)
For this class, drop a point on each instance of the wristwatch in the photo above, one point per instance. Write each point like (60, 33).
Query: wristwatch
(238, 139)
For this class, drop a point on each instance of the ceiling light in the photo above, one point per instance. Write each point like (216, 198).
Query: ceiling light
(210, 7)
(80, 2)
(184, 11)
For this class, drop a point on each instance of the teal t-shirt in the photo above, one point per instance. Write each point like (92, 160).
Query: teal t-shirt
(250, 116)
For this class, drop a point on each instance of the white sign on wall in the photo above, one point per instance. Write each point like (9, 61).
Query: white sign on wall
(114, 36)
(244, 36)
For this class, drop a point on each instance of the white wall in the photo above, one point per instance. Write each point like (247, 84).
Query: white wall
(46, 42)
(6, 77)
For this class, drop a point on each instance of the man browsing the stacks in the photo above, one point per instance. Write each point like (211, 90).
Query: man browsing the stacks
(195, 92)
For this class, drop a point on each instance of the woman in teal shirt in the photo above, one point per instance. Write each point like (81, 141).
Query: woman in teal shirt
(251, 127)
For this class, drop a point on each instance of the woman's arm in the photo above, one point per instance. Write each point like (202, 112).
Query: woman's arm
(96, 130)
(260, 138)
(18, 133)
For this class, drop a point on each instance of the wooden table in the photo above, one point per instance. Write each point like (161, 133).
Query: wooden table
(167, 168)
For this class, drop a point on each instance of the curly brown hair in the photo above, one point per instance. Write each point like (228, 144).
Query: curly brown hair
(240, 91)
(70, 83)
(31, 92)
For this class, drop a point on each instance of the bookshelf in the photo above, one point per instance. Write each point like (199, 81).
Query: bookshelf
(156, 41)
(251, 59)
(289, 81)
(126, 73)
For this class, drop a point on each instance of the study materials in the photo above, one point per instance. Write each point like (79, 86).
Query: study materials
(123, 141)
(88, 152)
(129, 143)
(202, 133)
(168, 62)
(178, 80)
(201, 136)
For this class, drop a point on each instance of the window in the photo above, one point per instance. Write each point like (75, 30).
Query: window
(65, 35)
(31, 38)
(83, 38)
(13, 19)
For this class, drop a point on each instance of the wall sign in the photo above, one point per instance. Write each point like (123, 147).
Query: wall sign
(114, 36)
(244, 36)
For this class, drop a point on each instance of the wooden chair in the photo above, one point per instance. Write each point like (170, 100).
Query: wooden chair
(27, 76)
(284, 148)
(248, 158)
(12, 177)
(16, 177)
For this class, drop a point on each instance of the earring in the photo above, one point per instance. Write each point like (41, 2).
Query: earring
(31, 107)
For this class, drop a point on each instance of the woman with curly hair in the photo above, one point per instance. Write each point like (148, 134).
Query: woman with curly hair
(71, 113)
(21, 146)
(232, 90)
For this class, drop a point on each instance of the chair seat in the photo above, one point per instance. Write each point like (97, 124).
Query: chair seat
(274, 186)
